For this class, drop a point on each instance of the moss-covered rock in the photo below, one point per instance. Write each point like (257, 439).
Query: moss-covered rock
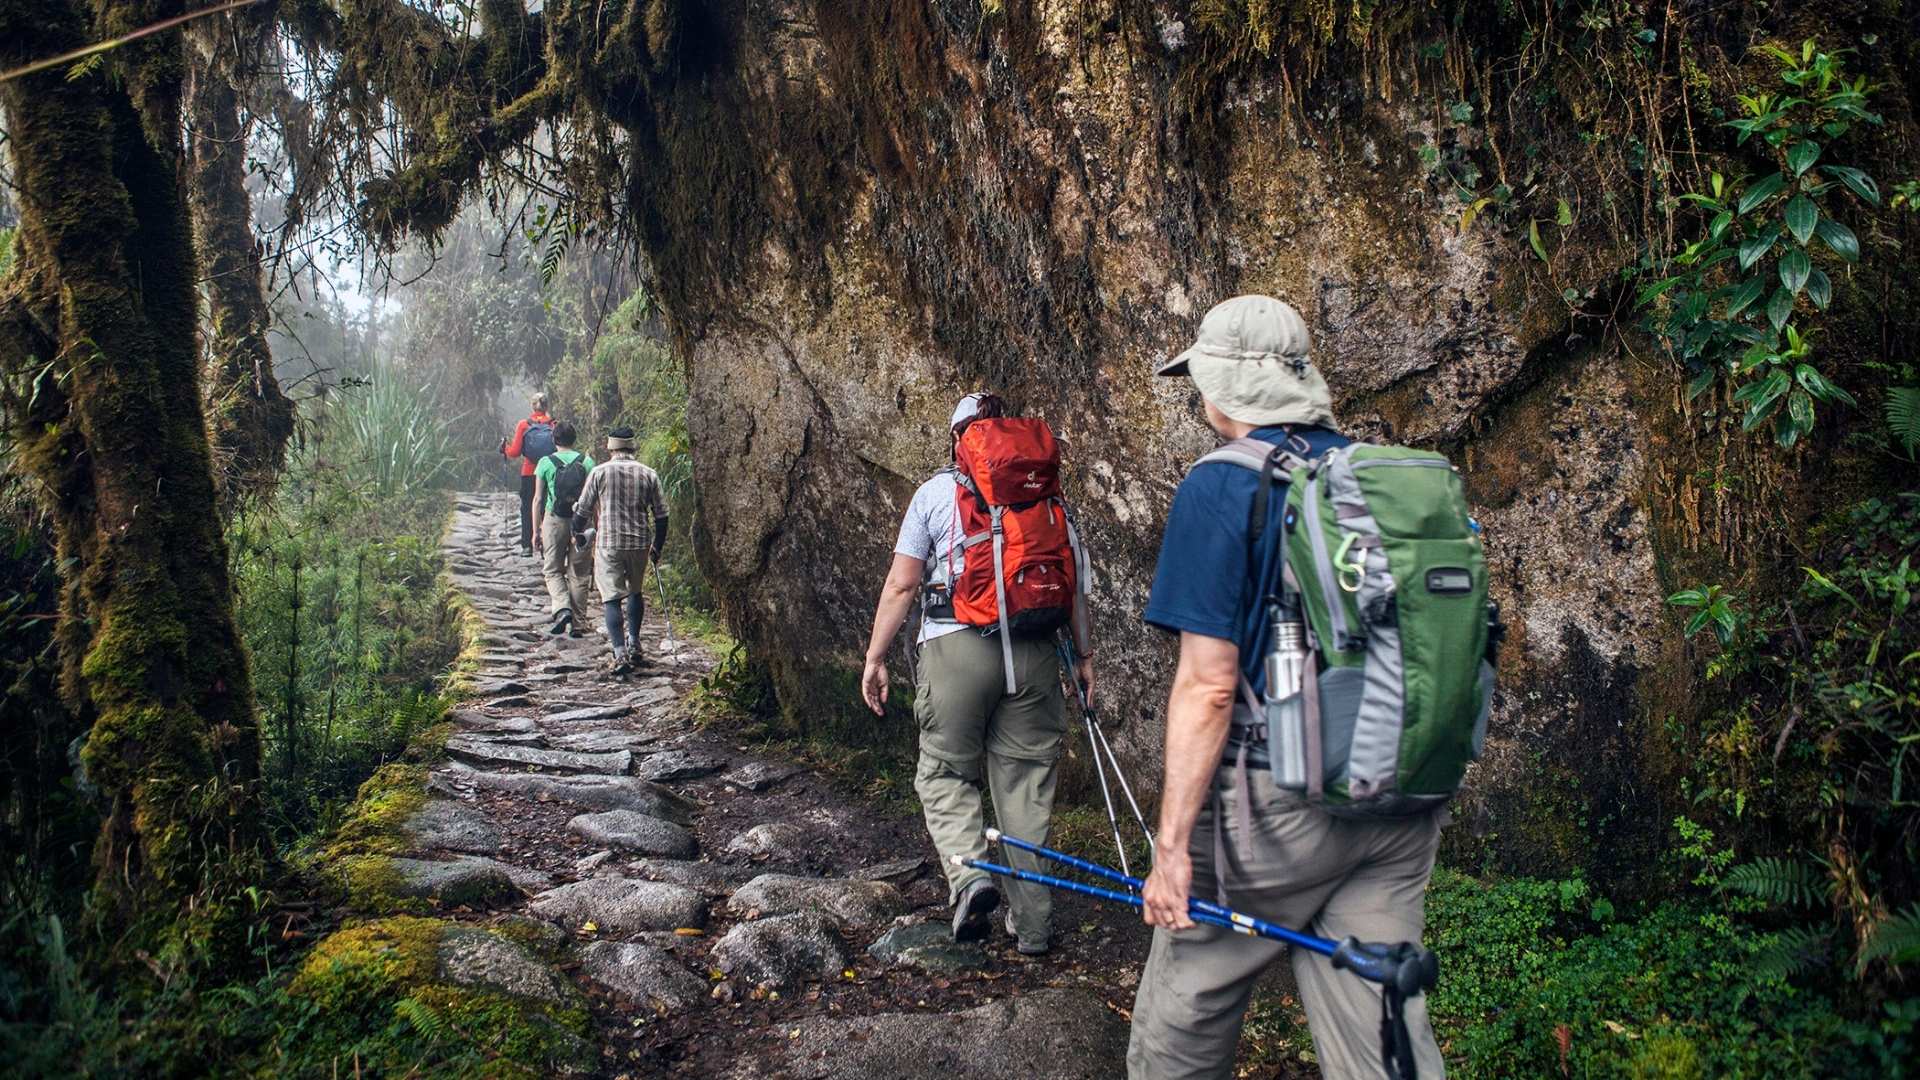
(459, 997)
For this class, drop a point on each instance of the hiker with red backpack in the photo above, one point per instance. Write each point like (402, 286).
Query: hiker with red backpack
(988, 549)
(532, 440)
(566, 561)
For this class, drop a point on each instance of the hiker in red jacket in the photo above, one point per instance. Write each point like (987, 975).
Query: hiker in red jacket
(532, 440)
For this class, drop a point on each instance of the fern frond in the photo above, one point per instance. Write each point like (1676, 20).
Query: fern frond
(1784, 882)
(1896, 940)
(423, 1019)
(1903, 416)
(1792, 951)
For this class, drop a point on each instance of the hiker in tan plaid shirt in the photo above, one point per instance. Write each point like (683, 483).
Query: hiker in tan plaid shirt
(627, 510)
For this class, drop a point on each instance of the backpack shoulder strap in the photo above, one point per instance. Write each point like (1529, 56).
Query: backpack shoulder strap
(1271, 460)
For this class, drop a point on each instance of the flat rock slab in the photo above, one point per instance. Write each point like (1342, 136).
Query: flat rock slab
(760, 775)
(1056, 1033)
(592, 712)
(766, 839)
(561, 667)
(469, 882)
(642, 834)
(897, 870)
(478, 751)
(643, 973)
(505, 738)
(496, 687)
(470, 721)
(445, 825)
(713, 879)
(678, 765)
(517, 701)
(596, 792)
(928, 946)
(472, 957)
(852, 904)
(783, 951)
(622, 905)
(600, 742)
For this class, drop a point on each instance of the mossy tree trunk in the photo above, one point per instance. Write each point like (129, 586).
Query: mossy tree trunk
(249, 417)
(98, 338)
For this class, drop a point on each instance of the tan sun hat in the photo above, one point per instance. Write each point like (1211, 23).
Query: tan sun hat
(1250, 360)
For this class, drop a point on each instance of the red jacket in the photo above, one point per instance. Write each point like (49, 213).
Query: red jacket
(519, 433)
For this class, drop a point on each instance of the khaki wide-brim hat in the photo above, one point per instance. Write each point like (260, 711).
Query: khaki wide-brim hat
(1251, 360)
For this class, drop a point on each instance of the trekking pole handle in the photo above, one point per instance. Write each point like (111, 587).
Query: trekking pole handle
(1406, 967)
(1070, 660)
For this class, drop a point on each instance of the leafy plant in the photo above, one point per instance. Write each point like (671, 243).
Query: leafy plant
(1713, 606)
(1726, 302)
(1782, 882)
(1903, 417)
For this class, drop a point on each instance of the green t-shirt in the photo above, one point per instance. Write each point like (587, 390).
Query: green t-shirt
(551, 464)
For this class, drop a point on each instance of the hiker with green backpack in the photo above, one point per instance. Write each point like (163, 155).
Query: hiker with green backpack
(1332, 685)
(566, 565)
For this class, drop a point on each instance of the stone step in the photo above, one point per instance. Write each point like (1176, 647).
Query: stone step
(475, 750)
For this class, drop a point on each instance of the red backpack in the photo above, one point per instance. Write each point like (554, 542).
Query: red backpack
(1008, 503)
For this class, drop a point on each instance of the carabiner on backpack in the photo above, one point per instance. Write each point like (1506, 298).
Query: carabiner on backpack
(1356, 570)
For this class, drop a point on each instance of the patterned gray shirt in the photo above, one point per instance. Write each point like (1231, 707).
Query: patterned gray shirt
(623, 499)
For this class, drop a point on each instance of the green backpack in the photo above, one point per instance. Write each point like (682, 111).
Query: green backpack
(1385, 569)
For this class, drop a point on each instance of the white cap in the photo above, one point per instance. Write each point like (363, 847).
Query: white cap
(968, 408)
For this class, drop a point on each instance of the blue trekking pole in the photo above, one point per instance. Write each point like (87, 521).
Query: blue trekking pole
(1403, 970)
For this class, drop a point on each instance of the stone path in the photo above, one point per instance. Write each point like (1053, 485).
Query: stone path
(729, 913)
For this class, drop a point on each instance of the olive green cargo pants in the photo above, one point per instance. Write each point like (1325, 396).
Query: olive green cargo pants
(1302, 868)
(970, 725)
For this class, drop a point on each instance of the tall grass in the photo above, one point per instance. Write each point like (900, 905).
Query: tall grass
(388, 437)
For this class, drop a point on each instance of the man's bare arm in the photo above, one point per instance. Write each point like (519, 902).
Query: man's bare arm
(1199, 711)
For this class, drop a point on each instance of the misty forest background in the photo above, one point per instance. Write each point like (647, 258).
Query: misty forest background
(299, 266)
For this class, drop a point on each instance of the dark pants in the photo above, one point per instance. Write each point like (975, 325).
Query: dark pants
(526, 511)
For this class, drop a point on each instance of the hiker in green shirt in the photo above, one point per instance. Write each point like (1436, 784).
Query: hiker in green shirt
(567, 566)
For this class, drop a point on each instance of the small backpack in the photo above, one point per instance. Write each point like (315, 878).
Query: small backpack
(1008, 500)
(568, 480)
(1385, 565)
(538, 441)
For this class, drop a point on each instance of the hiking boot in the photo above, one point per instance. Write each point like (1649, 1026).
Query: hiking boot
(562, 623)
(622, 661)
(1028, 946)
(970, 912)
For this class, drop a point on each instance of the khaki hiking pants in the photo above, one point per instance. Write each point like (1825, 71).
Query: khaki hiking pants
(1301, 868)
(566, 568)
(970, 725)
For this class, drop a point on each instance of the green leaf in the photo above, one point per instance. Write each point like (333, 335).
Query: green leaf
(1755, 356)
(1783, 882)
(1802, 216)
(1858, 182)
(1819, 385)
(1702, 383)
(1839, 238)
(1766, 189)
(1563, 215)
(1533, 239)
(1473, 211)
(1779, 308)
(1744, 295)
(1794, 269)
(1757, 245)
(1820, 289)
(1698, 622)
(1720, 223)
(1654, 291)
(1688, 598)
(1802, 156)
(1767, 391)
(1800, 409)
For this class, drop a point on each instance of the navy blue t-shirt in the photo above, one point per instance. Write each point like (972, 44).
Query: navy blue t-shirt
(1204, 583)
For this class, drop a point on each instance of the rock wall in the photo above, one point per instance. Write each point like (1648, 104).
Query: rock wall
(862, 212)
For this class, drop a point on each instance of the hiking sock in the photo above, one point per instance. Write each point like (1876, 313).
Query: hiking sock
(636, 610)
(614, 635)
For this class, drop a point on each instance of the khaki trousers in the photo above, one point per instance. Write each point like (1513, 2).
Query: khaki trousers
(971, 727)
(566, 568)
(619, 574)
(1301, 868)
